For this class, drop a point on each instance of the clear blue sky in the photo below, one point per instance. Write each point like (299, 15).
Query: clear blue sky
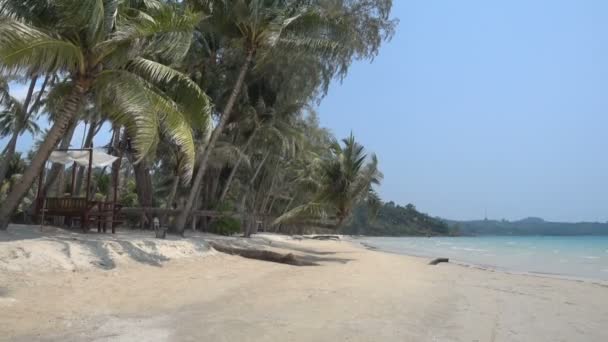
(475, 104)
(480, 104)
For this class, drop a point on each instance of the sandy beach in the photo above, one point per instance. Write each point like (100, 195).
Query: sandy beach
(178, 290)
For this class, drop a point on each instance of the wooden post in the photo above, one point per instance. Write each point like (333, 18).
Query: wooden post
(89, 174)
(115, 195)
(73, 186)
(85, 216)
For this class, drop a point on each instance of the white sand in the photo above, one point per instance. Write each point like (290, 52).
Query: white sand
(356, 295)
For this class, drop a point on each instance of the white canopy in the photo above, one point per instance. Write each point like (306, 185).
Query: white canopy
(100, 158)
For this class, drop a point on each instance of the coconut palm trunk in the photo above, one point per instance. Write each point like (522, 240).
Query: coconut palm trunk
(57, 169)
(143, 186)
(261, 209)
(235, 169)
(171, 197)
(114, 143)
(66, 116)
(180, 222)
(248, 219)
(8, 154)
(88, 142)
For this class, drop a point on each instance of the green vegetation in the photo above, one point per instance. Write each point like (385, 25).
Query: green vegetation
(226, 225)
(529, 226)
(343, 181)
(395, 220)
(209, 105)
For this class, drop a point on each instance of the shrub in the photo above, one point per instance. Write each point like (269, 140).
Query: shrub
(226, 225)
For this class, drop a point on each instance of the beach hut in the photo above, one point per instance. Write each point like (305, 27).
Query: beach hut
(74, 207)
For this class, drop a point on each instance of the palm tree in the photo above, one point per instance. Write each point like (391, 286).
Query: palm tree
(257, 26)
(15, 169)
(104, 53)
(345, 180)
(14, 121)
(16, 118)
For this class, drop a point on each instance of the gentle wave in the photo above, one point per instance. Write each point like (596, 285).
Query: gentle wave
(578, 257)
(469, 249)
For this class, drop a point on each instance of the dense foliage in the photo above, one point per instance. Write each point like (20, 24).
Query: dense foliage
(209, 105)
(395, 220)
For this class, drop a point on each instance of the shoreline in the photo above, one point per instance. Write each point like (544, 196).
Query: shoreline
(490, 268)
(355, 294)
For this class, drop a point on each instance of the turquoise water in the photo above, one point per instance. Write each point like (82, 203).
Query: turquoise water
(577, 256)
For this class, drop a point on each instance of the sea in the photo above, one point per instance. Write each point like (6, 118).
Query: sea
(578, 257)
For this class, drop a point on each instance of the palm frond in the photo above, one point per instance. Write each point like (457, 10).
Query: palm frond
(146, 112)
(83, 14)
(227, 154)
(194, 102)
(26, 49)
(164, 33)
(302, 213)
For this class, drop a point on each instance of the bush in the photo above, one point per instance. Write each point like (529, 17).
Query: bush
(226, 225)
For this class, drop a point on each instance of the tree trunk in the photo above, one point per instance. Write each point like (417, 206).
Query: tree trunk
(88, 142)
(264, 207)
(197, 205)
(285, 210)
(212, 188)
(143, 186)
(30, 92)
(30, 111)
(59, 192)
(180, 222)
(66, 116)
(8, 156)
(289, 259)
(248, 218)
(235, 169)
(114, 142)
(172, 193)
(39, 97)
(113, 191)
(270, 189)
(56, 169)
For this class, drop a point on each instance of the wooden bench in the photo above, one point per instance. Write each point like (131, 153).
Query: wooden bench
(87, 212)
(71, 207)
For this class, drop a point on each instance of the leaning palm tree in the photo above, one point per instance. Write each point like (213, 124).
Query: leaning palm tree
(256, 27)
(104, 52)
(345, 180)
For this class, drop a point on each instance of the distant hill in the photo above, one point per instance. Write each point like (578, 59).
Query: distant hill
(395, 220)
(528, 226)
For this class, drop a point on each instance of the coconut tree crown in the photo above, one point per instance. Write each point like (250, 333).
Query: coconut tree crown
(105, 46)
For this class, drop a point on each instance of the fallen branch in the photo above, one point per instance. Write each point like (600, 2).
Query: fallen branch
(289, 259)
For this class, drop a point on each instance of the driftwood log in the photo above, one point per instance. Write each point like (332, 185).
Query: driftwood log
(438, 261)
(326, 237)
(289, 259)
